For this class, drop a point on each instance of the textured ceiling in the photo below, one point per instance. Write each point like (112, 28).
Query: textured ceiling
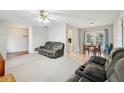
(78, 18)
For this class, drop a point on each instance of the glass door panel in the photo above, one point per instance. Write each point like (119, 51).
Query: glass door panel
(95, 37)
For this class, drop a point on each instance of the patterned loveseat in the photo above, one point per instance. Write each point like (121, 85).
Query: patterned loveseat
(51, 49)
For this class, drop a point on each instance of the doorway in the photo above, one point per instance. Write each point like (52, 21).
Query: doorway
(69, 41)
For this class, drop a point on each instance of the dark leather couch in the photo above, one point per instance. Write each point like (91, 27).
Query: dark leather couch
(51, 49)
(99, 69)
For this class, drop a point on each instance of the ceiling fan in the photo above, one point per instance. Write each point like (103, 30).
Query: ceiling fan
(44, 17)
(48, 16)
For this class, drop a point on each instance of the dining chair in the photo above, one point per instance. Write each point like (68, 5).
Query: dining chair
(85, 48)
(97, 50)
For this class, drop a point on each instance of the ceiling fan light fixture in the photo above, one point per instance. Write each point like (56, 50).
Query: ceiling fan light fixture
(46, 21)
(43, 16)
(45, 13)
(40, 20)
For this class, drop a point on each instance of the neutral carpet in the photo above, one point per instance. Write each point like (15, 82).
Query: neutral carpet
(38, 68)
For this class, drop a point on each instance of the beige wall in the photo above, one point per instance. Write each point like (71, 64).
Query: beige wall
(3, 39)
(17, 39)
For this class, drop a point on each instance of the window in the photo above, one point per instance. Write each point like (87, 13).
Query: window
(95, 37)
(89, 38)
(99, 38)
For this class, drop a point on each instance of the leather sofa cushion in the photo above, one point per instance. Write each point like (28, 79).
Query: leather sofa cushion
(50, 51)
(119, 70)
(97, 60)
(95, 70)
(113, 54)
(57, 45)
(118, 73)
(120, 50)
(43, 49)
(53, 45)
(48, 45)
(110, 67)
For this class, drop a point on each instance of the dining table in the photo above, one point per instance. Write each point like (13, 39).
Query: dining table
(89, 47)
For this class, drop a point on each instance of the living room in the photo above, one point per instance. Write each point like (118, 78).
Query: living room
(92, 34)
(69, 27)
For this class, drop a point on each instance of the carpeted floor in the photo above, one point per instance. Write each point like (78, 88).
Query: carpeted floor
(38, 68)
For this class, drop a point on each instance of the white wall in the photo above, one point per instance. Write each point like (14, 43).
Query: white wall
(10, 39)
(37, 37)
(3, 39)
(117, 34)
(17, 39)
(118, 31)
(57, 33)
(30, 40)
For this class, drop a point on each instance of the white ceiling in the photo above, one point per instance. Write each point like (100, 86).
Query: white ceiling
(78, 18)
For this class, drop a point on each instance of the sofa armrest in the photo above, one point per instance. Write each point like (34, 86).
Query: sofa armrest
(57, 53)
(97, 60)
(37, 49)
(74, 78)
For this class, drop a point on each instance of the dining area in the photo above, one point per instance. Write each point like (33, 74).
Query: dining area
(94, 43)
(89, 42)
(92, 49)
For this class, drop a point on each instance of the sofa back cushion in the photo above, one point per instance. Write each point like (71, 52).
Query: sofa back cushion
(48, 45)
(98, 60)
(113, 54)
(57, 45)
(54, 45)
(118, 73)
(110, 67)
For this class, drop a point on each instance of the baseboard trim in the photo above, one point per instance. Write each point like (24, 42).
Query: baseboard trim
(26, 51)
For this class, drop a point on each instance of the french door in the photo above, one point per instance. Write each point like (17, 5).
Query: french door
(95, 37)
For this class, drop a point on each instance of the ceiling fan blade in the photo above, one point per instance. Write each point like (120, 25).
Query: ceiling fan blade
(34, 11)
(52, 18)
(58, 11)
(37, 18)
(65, 13)
(57, 17)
